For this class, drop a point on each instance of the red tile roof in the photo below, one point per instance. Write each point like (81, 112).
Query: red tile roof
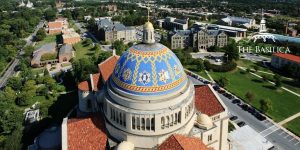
(86, 86)
(180, 142)
(55, 25)
(87, 133)
(107, 67)
(288, 57)
(206, 102)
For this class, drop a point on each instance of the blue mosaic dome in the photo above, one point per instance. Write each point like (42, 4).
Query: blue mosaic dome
(148, 69)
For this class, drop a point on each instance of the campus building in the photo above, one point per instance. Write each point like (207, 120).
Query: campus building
(171, 23)
(281, 60)
(69, 36)
(62, 54)
(238, 21)
(143, 99)
(198, 37)
(111, 31)
(57, 26)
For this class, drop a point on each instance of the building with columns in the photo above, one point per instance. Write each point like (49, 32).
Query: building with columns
(143, 99)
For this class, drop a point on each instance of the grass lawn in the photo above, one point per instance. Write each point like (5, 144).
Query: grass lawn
(37, 70)
(48, 39)
(294, 126)
(288, 83)
(284, 104)
(249, 64)
(203, 74)
(83, 51)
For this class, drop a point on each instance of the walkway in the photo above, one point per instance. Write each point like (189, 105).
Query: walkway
(210, 78)
(289, 119)
(284, 88)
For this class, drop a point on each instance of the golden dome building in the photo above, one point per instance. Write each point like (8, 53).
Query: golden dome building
(145, 100)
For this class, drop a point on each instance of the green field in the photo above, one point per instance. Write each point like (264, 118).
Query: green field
(286, 82)
(294, 126)
(284, 104)
(48, 39)
(82, 50)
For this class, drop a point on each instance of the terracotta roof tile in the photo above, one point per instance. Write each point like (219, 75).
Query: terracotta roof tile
(180, 142)
(87, 133)
(84, 86)
(288, 57)
(106, 67)
(55, 25)
(206, 102)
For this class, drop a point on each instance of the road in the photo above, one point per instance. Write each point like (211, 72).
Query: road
(280, 139)
(11, 69)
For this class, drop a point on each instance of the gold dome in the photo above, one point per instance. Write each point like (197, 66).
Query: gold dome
(148, 25)
(204, 120)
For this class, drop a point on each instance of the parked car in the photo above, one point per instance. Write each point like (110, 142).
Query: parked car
(260, 117)
(216, 87)
(233, 118)
(245, 107)
(229, 96)
(242, 123)
(221, 91)
(236, 101)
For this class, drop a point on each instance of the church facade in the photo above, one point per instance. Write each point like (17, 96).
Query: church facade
(144, 99)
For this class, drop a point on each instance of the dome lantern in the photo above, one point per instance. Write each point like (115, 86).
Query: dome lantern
(148, 31)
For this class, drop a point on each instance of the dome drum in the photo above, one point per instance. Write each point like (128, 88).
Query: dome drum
(158, 121)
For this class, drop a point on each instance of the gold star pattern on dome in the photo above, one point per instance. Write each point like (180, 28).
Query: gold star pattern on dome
(163, 76)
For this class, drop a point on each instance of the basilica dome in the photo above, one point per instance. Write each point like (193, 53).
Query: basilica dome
(148, 69)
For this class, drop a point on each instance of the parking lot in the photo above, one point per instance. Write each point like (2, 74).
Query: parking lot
(265, 127)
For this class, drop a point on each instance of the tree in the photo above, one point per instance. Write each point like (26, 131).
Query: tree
(10, 94)
(199, 64)
(87, 42)
(41, 34)
(277, 80)
(255, 67)
(119, 46)
(15, 83)
(250, 96)
(265, 105)
(248, 70)
(223, 81)
(231, 52)
(50, 14)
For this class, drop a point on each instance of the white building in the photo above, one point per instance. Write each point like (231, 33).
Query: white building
(144, 100)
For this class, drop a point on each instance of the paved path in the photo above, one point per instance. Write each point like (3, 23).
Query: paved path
(210, 78)
(284, 88)
(273, 132)
(289, 119)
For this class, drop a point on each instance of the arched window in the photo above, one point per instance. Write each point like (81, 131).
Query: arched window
(133, 122)
(114, 116)
(152, 124)
(179, 117)
(176, 118)
(168, 121)
(143, 123)
(124, 120)
(111, 113)
(121, 119)
(138, 123)
(162, 122)
(117, 116)
(172, 120)
(148, 124)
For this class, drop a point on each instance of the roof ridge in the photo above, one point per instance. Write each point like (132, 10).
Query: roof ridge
(178, 140)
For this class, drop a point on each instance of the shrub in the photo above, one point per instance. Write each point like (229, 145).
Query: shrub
(220, 68)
